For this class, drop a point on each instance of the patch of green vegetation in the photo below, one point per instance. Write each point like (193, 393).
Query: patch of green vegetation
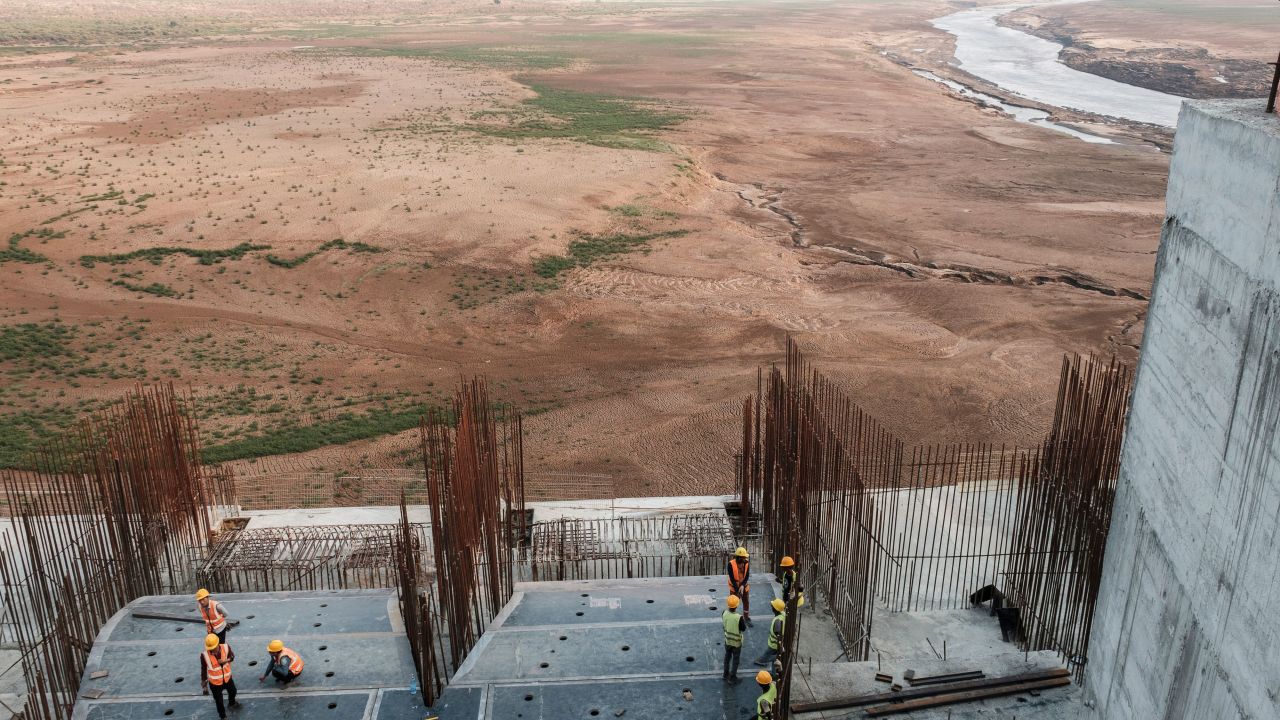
(338, 244)
(16, 253)
(486, 56)
(471, 289)
(22, 432)
(33, 343)
(589, 249)
(586, 117)
(157, 254)
(345, 428)
(67, 214)
(47, 32)
(154, 288)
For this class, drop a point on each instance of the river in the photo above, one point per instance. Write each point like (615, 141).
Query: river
(1028, 66)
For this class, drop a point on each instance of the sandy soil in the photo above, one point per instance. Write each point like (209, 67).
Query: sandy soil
(1192, 48)
(936, 257)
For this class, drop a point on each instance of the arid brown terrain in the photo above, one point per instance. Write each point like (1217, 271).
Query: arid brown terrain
(318, 216)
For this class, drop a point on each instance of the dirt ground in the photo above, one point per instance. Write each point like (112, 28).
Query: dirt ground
(936, 257)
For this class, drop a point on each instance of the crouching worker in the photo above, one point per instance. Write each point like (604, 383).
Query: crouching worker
(285, 665)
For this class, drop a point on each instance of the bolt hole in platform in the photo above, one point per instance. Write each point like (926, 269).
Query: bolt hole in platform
(544, 665)
(248, 617)
(333, 706)
(329, 674)
(688, 658)
(593, 713)
(323, 648)
(564, 637)
(169, 711)
(649, 602)
(177, 629)
(585, 595)
(324, 604)
(626, 648)
(713, 608)
(252, 663)
(528, 698)
(579, 613)
(316, 624)
(151, 654)
(711, 589)
(178, 679)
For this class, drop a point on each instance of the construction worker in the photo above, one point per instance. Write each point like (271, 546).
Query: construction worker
(285, 664)
(734, 626)
(768, 695)
(788, 578)
(776, 628)
(215, 618)
(739, 572)
(215, 673)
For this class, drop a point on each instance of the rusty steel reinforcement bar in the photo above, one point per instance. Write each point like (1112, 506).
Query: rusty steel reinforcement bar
(870, 523)
(966, 696)
(931, 690)
(110, 510)
(1275, 86)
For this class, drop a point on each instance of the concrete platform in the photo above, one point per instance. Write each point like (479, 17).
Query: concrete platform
(358, 664)
(640, 649)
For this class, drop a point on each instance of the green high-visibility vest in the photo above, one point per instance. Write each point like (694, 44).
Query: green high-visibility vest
(732, 631)
(764, 703)
(776, 628)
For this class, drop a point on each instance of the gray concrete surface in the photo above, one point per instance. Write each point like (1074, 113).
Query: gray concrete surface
(356, 655)
(646, 649)
(1188, 618)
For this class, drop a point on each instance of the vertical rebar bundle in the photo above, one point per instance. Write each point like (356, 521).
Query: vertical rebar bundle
(867, 522)
(475, 488)
(104, 515)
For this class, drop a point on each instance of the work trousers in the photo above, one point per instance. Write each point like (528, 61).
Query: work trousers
(731, 657)
(767, 658)
(228, 687)
(283, 676)
(744, 594)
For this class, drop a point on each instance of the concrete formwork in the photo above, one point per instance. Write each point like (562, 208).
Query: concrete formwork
(356, 655)
(1186, 623)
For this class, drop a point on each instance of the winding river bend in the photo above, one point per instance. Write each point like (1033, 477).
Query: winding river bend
(1028, 66)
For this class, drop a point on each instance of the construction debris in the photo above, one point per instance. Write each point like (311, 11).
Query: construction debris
(933, 690)
(966, 696)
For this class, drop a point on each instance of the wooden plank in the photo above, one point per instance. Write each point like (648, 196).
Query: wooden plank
(948, 678)
(967, 696)
(929, 690)
(175, 618)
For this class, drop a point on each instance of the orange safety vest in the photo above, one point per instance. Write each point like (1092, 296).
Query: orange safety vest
(219, 668)
(738, 573)
(213, 621)
(295, 661)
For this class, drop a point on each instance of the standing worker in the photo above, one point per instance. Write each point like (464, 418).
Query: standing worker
(734, 626)
(788, 577)
(215, 673)
(215, 618)
(776, 628)
(285, 664)
(768, 695)
(739, 580)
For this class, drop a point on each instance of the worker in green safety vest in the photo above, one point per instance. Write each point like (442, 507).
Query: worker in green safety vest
(734, 626)
(776, 628)
(768, 695)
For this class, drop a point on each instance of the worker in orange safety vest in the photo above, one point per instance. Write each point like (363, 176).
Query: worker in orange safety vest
(739, 572)
(215, 617)
(285, 665)
(215, 673)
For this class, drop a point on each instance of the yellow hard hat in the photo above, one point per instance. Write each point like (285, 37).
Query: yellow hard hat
(733, 601)
(275, 646)
(787, 561)
(778, 605)
(202, 594)
(740, 552)
(764, 678)
(210, 641)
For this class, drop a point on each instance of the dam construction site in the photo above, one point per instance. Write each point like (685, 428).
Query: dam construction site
(857, 573)
(639, 360)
